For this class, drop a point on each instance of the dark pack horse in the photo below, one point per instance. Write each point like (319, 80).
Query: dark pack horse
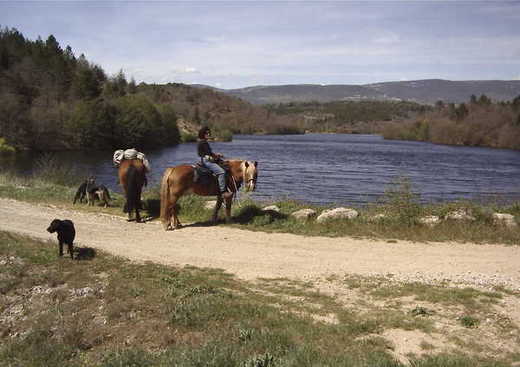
(179, 180)
(132, 177)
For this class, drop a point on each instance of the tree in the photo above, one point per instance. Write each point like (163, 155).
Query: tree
(93, 124)
(85, 85)
(4, 58)
(52, 46)
(138, 123)
(121, 83)
(484, 100)
(132, 87)
(461, 112)
(516, 103)
(452, 111)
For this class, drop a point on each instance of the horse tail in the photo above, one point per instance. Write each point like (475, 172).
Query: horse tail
(165, 195)
(132, 199)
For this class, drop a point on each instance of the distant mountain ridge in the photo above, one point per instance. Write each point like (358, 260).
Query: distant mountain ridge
(423, 91)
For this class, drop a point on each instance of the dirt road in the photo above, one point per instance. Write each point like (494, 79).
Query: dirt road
(250, 255)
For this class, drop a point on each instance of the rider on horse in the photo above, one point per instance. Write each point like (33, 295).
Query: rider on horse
(209, 159)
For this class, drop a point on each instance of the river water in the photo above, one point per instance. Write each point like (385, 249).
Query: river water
(338, 168)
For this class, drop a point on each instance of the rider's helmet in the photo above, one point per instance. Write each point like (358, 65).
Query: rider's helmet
(202, 132)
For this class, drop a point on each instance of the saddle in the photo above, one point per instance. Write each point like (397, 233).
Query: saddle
(204, 176)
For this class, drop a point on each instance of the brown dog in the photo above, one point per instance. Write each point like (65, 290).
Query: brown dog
(66, 234)
(98, 192)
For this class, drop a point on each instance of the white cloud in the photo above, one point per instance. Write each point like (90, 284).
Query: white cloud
(186, 70)
(239, 43)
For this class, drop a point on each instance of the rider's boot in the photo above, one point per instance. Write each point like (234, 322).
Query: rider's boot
(222, 187)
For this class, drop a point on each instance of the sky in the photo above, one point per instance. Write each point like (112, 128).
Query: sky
(242, 43)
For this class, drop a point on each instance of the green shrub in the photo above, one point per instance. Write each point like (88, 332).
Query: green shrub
(5, 148)
(401, 203)
(469, 321)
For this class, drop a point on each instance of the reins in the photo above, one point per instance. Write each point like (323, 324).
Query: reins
(235, 195)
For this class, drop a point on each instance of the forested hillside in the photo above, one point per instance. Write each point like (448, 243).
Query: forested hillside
(52, 100)
(426, 91)
(480, 122)
(225, 114)
(348, 116)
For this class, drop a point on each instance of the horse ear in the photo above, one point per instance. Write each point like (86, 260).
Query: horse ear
(256, 164)
(246, 164)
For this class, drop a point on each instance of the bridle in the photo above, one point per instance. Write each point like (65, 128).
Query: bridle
(253, 179)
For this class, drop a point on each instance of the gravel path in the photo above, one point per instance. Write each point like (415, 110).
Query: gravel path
(251, 255)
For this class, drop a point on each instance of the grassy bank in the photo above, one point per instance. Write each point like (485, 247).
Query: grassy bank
(401, 212)
(102, 310)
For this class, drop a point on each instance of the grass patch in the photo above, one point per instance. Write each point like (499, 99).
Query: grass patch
(107, 311)
(469, 321)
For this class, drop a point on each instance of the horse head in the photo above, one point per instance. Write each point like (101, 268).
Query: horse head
(249, 174)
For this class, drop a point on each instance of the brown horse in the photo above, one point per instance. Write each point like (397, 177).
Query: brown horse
(132, 176)
(178, 181)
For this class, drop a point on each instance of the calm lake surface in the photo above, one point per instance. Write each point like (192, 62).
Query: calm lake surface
(339, 168)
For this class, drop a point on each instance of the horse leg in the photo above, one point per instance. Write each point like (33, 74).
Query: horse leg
(176, 222)
(228, 209)
(138, 205)
(168, 225)
(218, 205)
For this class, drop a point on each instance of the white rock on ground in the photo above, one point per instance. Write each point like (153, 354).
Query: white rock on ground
(304, 214)
(337, 213)
(377, 218)
(272, 208)
(460, 214)
(429, 220)
(504, 219)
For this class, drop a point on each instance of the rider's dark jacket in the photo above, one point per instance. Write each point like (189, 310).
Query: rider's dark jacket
(204, 149)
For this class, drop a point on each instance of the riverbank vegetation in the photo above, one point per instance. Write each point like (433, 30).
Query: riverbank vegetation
(398, 214)
(480, 122)
(101, 310)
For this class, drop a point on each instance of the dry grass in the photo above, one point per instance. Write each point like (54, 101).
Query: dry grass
(106, 311)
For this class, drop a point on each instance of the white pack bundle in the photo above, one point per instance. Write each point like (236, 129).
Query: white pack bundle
(132, 153)
(118, 157)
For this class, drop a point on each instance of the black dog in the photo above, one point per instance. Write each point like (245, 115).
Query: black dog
(81, 193)
(66, 233)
